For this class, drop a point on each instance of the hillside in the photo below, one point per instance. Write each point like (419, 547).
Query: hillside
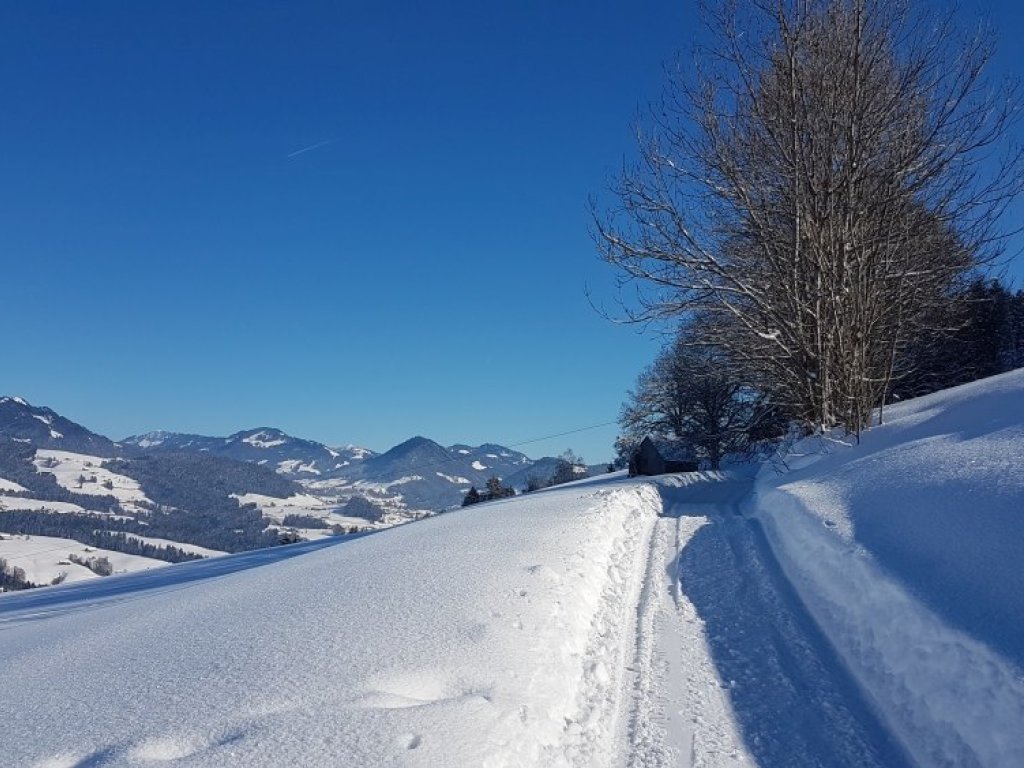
(195, 493)
(602, 623)
(486, 650)
(907, 548)
(43, 428)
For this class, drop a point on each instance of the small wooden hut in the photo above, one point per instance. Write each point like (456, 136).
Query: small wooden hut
(659, 457)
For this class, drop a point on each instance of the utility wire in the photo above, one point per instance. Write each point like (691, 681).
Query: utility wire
(449, 459)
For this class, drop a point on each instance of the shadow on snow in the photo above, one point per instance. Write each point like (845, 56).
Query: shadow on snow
(793, 700)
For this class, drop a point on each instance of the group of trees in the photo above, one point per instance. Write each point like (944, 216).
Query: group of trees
(988, 339)
(100, 565)
(103, 532)
(494, 490)
(814, 200)
(692, 394)
(562, 469)
(13, 577)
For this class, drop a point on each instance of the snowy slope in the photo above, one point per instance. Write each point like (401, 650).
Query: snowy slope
(44, 558)
(492, 636)
(85, 474)
(860, 608)
(907, 549)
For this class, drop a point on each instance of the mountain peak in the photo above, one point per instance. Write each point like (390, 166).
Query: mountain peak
(44, 428)
(261, 437)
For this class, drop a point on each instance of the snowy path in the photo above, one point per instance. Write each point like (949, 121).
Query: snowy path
(730, 669)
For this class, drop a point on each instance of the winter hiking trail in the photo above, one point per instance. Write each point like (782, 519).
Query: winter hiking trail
(729, 668)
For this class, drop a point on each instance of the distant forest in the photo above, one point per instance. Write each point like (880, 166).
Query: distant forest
(191, 495)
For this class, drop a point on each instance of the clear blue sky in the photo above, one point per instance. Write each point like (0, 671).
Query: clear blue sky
(173, 259)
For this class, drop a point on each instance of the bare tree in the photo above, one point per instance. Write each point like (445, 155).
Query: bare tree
(816, 188)
(691, 393)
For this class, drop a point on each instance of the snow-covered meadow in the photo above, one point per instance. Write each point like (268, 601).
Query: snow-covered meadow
(492, 636)
(86, 474)
(45, 558)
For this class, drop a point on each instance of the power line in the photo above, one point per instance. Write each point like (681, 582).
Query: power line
(449, 459)
(561, 434)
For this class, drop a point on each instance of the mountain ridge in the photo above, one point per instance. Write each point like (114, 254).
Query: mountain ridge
(416, 474)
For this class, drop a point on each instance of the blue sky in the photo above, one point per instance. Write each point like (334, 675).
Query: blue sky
(172, 258)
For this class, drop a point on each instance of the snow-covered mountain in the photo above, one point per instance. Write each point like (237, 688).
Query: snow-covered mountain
(60, 481)
(43, 428)
(291, 456)
(427, 475)
(418, 474)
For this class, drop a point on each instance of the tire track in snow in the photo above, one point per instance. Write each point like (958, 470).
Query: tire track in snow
(730, 668)
(679, 714)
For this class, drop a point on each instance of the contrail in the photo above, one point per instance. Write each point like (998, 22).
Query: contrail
(311, 147)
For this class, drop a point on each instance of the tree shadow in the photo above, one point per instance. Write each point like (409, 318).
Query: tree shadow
(794, 702)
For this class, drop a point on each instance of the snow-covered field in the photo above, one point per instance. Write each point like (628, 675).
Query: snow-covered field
(276, 509)
(26, 504)
(861, 608)
(44, 558)
(195, 549)
(492, 636)
(85, 474)
(9, 486)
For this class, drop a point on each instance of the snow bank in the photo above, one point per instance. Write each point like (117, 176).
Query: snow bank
(907, 549)
(492, 636)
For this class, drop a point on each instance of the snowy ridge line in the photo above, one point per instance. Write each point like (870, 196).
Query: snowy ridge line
(441, 462)
(897, 649)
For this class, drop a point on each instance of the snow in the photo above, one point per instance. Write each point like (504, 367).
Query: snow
(356, 452)
(477, 465)
(290, 466)
(11, 487)
(69, 467)
(863, 605)
(49, 423)
(503, 645)
(259, 440)
(906, 549)
(453, 478)
(276, 508)
(39, 505)
(193, 548)
(41, 556)
(152, 439)
(386, 485)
